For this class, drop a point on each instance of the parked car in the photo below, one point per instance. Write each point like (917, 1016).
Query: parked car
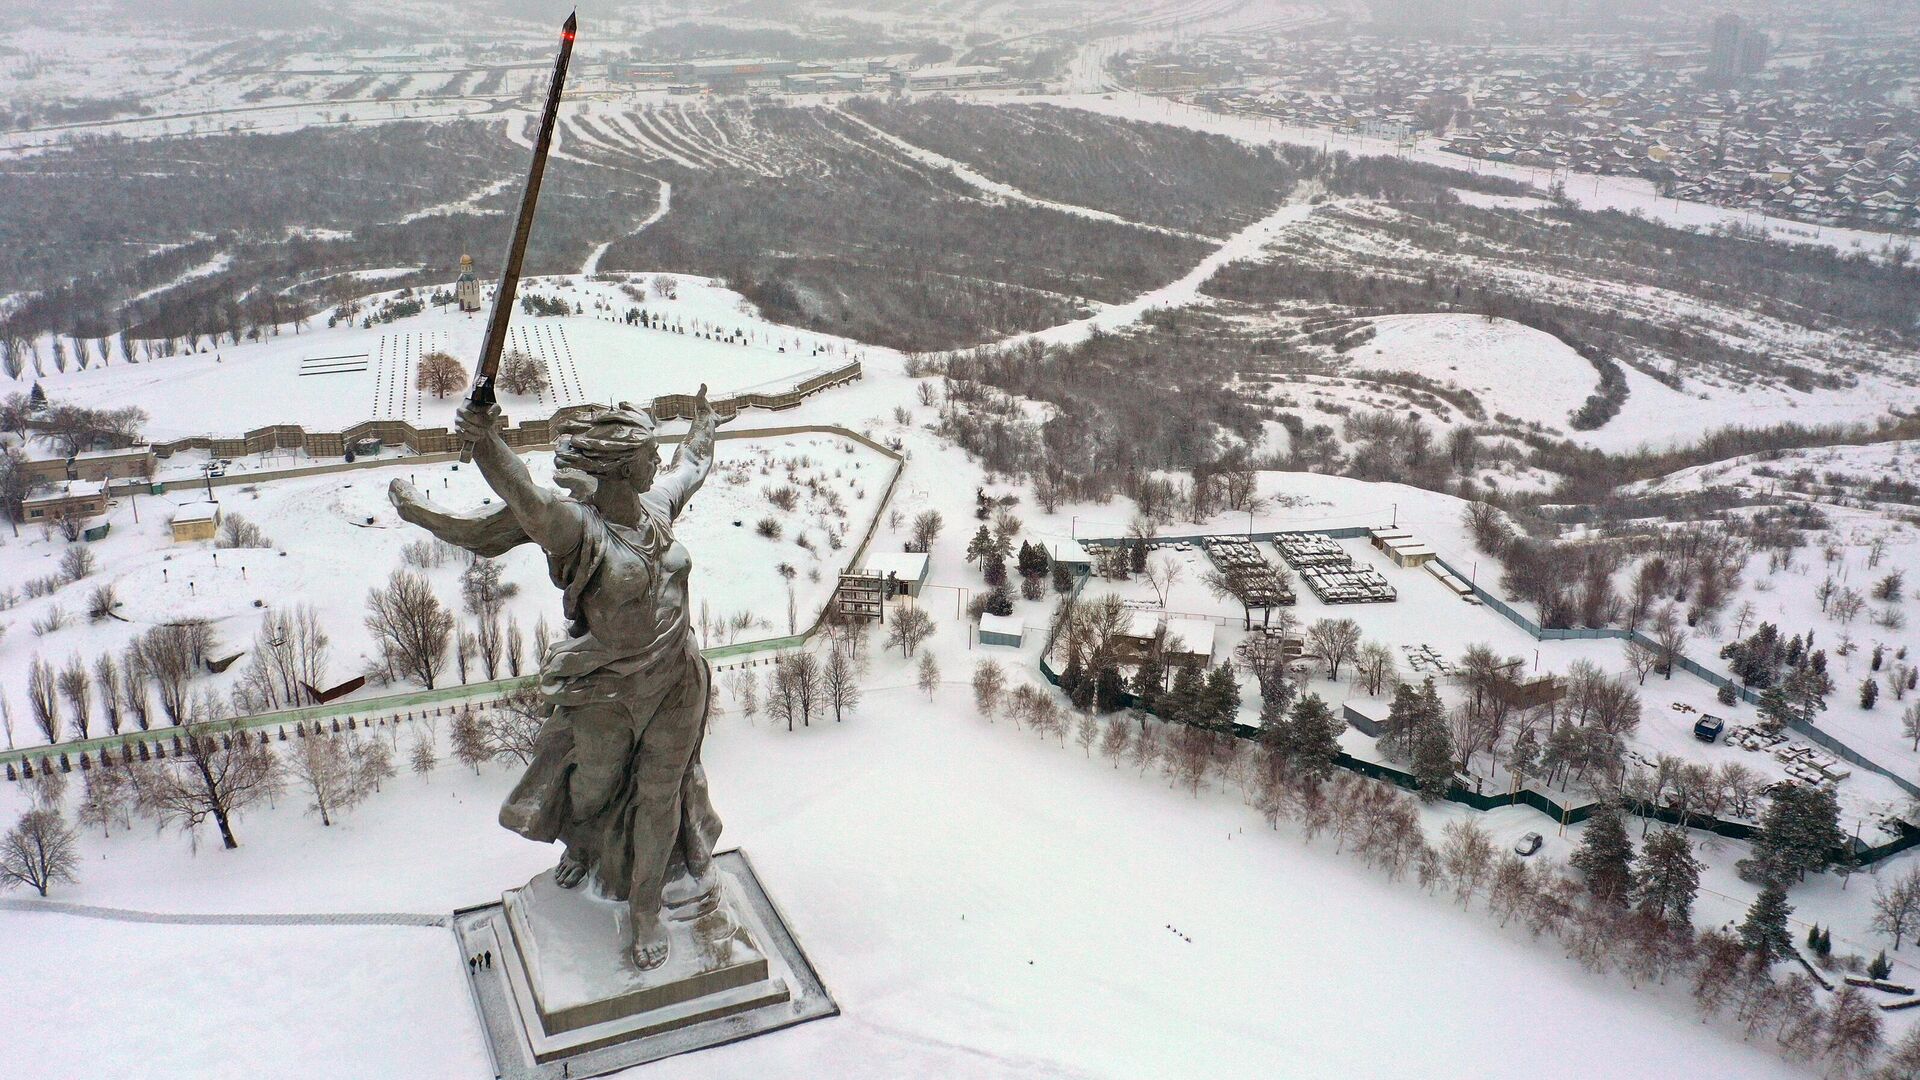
(1528, 844)
(1708, 727)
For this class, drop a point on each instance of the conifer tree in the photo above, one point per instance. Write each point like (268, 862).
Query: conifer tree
(1667, 878)
(1148, 681)
(1605, 856)
(1432, 754)
(1108, 688)
(1221, 699)
(1764, 932)
(1313, 739)
(1182, 702)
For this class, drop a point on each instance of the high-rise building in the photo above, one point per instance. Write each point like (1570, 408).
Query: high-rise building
(1735, 48)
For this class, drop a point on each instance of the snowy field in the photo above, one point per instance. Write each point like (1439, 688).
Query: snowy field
(337, 536)
(1510, 368)
(981, 904)
(328, 379)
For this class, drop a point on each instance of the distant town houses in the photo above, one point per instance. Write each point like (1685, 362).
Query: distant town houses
(1822, 132)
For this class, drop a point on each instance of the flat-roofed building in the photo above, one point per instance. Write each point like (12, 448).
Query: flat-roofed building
(195, 521)
(72, 499)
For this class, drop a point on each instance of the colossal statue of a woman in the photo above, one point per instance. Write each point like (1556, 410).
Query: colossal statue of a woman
(616, 776)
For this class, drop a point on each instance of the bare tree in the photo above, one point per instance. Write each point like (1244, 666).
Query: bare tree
(78, 690)
(840, 679)
(1671, 634)
(1642, 658)
(1163, 573)
(39, 851)
(928, 675)
(43, 697)
(106, 798)
(512, 727)
(325, 768)
(989, 680)
(1334, 641)
(218, 772)
(1896, 907)
(520, 373)
(1376, 667)
(803, 669)
(170, 655)
(411, 625)
(133, 687)
(909, 628)
(440, 374)
(106, 679)
(420, 756)
(468, 737)
(926, 529)
(1466, 853)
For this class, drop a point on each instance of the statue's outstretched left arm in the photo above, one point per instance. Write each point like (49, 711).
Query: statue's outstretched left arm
(694, 459)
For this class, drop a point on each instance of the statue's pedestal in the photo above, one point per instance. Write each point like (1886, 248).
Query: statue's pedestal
(563, 985)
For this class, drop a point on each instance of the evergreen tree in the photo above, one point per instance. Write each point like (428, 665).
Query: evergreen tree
(1432, 755)
(1220, 701)
(999, 601)
(1108, 689)
(1869, 692)
(1073, 676)
(1313, 736)
(1062, 578)
(1148, 682)
(1667, 878)
(1182, 702)
(1033, 561)
(1605, 856)
(1880, 968)
(981, 545)
(994, 569)
(1799, 832)
(1403, 718)
(1764, 932)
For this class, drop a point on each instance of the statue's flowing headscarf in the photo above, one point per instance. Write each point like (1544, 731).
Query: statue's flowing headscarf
(615, 442)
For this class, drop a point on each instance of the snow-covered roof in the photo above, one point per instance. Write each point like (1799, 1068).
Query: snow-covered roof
(1009, 625)
(1061, 549)
(1143, 623)
(1192, 637)
(905, 565)
(192, 512)
(71, 489)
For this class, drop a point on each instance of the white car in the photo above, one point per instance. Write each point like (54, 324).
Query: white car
(1528, 844)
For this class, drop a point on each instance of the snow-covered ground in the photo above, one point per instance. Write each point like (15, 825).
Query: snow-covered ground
(336, 536)
(1512, 369)
(327, 379)
(981, 904)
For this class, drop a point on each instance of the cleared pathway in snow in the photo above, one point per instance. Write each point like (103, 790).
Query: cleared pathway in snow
(341, 918)
(1008, 191)
(592, 265)
(1183, 292)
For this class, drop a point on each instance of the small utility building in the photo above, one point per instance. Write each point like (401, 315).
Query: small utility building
(195, 521)
(1001, 630)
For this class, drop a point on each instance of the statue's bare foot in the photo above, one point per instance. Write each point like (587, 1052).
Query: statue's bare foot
(649, 942)
(571, 869)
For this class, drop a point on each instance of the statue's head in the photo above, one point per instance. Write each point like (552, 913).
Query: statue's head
(608, 445)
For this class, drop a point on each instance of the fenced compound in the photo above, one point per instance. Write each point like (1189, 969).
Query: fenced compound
(63, 756)
(1314, 544)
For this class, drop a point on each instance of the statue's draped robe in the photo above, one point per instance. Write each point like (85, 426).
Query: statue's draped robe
(616, 773)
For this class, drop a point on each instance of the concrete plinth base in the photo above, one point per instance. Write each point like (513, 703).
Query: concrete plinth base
(563, 988)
